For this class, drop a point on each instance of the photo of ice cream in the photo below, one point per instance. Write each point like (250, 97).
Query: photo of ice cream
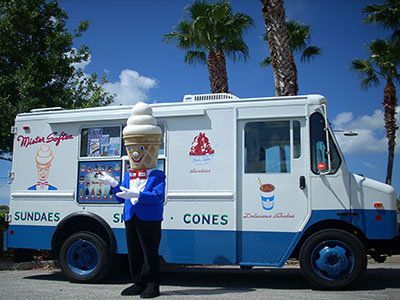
(92, 190)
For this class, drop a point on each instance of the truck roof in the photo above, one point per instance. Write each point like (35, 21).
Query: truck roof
(60, 115)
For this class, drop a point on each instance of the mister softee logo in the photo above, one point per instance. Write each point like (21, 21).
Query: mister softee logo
(53, 137)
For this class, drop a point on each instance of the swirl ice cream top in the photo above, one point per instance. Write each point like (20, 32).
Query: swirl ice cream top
(44, 155)
(141, 121)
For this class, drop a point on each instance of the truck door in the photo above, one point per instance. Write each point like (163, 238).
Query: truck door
(273, 190)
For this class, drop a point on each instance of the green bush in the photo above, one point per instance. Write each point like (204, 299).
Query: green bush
(4, 255)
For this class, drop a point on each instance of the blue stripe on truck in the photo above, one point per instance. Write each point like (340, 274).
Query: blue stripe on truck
(224, 247)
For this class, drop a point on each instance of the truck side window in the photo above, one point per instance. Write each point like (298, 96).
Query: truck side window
(319, 156)
(101, 141)
(267, 147)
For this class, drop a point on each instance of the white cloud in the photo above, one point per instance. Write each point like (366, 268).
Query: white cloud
(82, 65)
(371, 136)
(131, 87)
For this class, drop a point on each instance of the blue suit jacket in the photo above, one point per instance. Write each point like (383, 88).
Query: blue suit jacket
(34, 188)
(151, 201)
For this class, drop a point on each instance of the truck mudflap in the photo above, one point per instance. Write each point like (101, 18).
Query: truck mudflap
(380, 249)
(5, 240)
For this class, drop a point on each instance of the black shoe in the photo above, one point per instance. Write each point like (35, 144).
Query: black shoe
(151, 291)
(135, 289)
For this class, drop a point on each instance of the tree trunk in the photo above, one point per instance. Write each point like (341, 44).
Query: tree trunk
(283, 65)
(389, 106)
(217, 70)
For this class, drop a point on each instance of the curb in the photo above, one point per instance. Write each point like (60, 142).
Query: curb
(29, 265)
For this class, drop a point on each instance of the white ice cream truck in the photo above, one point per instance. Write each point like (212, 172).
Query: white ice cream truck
(250, 182)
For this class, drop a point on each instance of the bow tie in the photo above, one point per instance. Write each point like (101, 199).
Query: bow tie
(142, 174)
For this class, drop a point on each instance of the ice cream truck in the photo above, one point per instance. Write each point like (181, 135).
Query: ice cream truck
(250, 182)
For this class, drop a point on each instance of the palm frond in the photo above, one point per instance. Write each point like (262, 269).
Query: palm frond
(299, 39)
(366, 71)
(369, 82)
(235, 49)
(266, 62)
(310, 53)
(387, 15)
(193, 57)
(298, 34)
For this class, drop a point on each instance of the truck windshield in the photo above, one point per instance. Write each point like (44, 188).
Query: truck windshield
(319, 149)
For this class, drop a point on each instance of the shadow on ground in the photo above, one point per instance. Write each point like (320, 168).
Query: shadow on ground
(199, 280)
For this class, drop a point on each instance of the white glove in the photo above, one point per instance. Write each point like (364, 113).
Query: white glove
(107, 179)
(132, 194)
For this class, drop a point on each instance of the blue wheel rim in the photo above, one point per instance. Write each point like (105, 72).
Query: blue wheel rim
(82, 257)
(333, 260)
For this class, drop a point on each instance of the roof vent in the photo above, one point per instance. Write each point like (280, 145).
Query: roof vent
(208, 97)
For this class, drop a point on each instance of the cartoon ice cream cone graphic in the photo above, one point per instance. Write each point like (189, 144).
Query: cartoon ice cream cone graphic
(43, 158)
(142, 137)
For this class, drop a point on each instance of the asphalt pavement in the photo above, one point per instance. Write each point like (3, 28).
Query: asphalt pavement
(45, 282)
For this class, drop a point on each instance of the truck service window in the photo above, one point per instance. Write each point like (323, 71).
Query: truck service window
(319, 156)
(267, 147)
(162, 147)
(101, 141)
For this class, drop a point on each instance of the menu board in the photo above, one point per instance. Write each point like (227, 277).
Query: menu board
(90, 189)
(102, 144)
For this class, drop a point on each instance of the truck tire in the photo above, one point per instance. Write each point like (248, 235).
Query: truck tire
(85, 257)
(332, 259)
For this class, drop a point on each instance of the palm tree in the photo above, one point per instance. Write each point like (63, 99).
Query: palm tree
(209, 32)
(299, 40)
(283, 65)
(387, 15)
(382, 64)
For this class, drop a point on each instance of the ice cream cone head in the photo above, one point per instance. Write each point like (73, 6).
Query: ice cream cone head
(142, 138)
(43, 158)
(142, 151)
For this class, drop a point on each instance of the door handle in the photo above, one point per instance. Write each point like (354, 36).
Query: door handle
(302, 182)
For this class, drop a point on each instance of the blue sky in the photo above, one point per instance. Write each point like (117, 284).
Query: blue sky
(125, 41)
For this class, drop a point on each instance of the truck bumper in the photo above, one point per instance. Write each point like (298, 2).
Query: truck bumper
(379, 248)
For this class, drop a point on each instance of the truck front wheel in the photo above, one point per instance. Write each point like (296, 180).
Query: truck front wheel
(84, 257)
(332, 259)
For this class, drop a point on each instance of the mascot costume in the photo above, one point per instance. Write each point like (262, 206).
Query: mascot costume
(142, 192)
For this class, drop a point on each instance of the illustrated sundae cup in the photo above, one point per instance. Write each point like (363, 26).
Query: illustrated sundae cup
(142, 137)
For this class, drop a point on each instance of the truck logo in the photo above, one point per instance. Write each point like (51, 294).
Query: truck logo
(53, 137)
(43, 158)
(201, 151)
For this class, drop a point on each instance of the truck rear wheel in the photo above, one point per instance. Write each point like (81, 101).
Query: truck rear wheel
(332, 259)
(84, 257)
